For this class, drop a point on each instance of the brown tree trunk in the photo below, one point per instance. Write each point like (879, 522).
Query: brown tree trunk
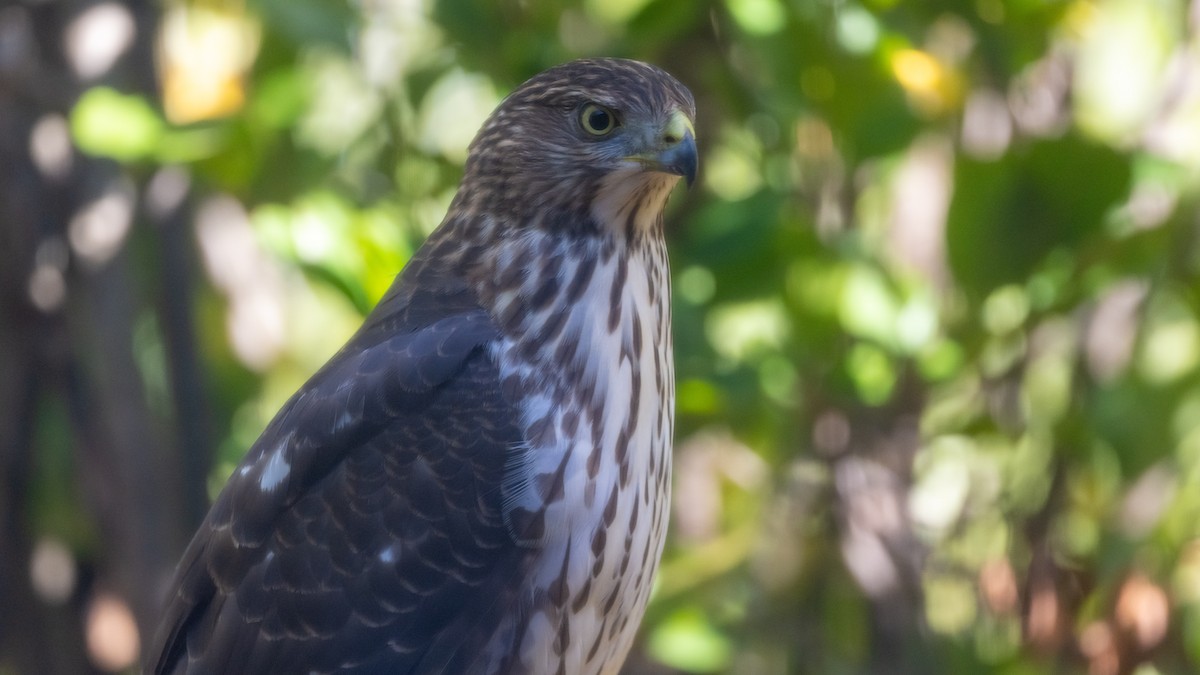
(67, 325)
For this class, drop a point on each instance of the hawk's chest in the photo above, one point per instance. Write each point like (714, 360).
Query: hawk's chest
(593, 379)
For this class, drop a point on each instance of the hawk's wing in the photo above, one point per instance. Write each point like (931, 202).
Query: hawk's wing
(364, 525)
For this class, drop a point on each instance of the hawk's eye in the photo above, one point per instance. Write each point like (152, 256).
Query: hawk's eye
(597, 120)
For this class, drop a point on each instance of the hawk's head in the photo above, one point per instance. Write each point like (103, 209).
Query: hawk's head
(591, 137)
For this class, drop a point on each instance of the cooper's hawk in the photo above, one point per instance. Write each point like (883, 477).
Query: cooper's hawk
(478, 482)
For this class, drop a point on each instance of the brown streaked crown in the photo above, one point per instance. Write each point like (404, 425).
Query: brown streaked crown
(532, 155)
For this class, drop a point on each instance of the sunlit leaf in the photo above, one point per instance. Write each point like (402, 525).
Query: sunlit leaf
(689, 641)
(111, 124)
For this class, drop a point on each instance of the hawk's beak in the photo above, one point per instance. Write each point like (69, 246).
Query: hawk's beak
(679, 155)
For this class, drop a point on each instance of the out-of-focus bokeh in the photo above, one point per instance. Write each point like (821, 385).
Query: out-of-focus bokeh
(937, 305)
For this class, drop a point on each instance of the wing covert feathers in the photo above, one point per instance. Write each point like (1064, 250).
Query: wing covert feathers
(369, 499)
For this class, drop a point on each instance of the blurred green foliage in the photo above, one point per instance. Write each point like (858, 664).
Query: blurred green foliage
(936, 301)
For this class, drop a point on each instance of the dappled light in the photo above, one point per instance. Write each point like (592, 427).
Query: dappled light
(252, 281)
(52, 570)
(112, 635)
(97, 36)
(936, 311)
(98, 230)
(205, 53)
(47, 283)
(50, 146)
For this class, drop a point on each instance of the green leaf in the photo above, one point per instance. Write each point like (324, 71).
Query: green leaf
(688, 641)
(1006, 216)
(107, 123)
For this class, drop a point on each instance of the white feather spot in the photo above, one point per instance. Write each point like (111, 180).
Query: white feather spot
(276, 471)
(344, 420)
(388, 555)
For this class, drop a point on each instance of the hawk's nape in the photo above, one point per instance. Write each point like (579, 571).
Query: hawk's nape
(478, 481)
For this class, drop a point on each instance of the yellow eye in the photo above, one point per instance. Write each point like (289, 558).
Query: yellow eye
(597, 120)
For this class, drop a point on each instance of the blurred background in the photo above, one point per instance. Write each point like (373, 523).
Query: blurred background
(937, 305)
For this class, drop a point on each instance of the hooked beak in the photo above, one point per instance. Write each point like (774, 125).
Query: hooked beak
(677, 152)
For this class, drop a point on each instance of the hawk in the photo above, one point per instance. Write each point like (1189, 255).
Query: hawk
(478, 481)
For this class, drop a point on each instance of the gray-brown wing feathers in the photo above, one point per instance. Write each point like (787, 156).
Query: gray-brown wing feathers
(364, 520)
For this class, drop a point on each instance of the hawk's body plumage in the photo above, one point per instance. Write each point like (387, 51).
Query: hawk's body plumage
(478, 481)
